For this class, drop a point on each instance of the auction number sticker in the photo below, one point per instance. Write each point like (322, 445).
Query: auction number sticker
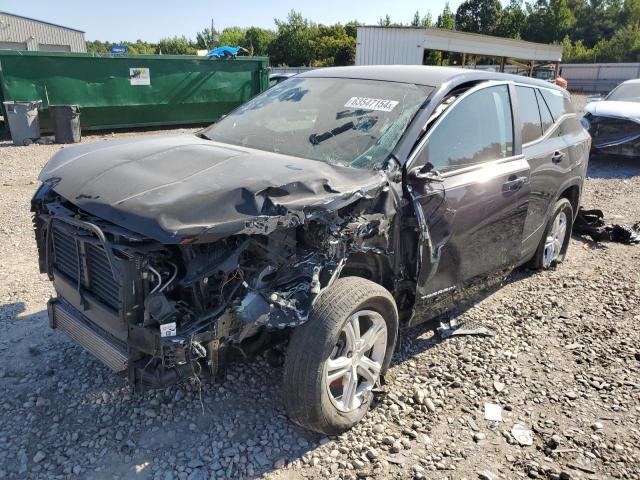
(371, 104)
(140, 76)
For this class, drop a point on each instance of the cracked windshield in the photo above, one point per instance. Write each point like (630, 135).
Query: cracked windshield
(339, 121)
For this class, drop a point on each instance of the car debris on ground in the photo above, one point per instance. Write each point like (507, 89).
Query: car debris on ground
(590, 223)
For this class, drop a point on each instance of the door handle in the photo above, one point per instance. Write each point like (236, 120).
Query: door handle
(557, 157)
(513, 184)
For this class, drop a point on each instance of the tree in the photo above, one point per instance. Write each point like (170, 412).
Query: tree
(631, 11)
(426, 20)
(561, 18)
(446, 19)
(575, 53)
(479, 16)
(385, 21)
(512, 21)
(233, 36)
(207, 38)
(292, 45)
(352, 28)
(624, 46)
(416, 19)
(258, 40)
(176, 46)
(140, 47)
(548, 21)
(333, 46)
(96, 46)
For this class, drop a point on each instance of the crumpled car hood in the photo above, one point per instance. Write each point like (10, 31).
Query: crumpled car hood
(172, 187)
(626, 110)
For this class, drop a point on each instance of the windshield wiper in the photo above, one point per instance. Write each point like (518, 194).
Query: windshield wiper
(317, 138)
(363, 125)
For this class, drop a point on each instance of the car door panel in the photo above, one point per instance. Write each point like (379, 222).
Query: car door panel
(474, 222)
(546, 174)
(472, 216)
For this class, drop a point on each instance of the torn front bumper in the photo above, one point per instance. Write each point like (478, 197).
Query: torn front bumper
(614, 136)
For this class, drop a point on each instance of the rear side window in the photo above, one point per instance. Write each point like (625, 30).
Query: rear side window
(478, 129)
(529, 114)
(545, 115)
(558, 103)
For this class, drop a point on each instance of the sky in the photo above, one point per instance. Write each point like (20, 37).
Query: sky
(151, 20)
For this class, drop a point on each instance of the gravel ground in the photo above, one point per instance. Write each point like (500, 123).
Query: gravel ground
(564, 365)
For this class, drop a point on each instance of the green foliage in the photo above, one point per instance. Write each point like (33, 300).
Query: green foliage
(233, 36)
(299, 41)
(292, 45)
(479, 16)
(176, 46)
(207, 39)
(512, 21)
(139, 47)
(446, 19)
(548, 21)
(624, 46)
(631, 11)
(589, 31)
(416, 19)
(385, 21)
(96, 46)
(257, 40)
(332, 45)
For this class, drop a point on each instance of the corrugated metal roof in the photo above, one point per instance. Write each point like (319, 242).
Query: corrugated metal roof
(40, 21)
(406, 45)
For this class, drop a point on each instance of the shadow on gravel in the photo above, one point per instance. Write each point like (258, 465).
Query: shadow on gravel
(423, 337)
(10, 311)
(610, 167)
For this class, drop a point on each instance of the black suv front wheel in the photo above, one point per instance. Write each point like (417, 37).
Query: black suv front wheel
(336, 358)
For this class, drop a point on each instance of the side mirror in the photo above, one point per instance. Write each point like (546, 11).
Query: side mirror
(425, 174)
(594, 98)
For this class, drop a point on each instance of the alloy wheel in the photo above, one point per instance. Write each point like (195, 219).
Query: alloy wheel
(353, 368)
(555, 239)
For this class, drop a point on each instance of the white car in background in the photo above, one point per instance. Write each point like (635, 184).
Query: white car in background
(614, 121)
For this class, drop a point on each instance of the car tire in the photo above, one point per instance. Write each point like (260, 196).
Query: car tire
(315, 399)
(543, 259)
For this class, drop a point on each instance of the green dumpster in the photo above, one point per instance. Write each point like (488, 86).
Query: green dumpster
(131, 90)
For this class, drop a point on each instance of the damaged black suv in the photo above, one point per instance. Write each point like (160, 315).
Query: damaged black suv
(317, 219)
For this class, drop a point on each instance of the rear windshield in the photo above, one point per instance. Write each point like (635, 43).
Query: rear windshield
(341, 121)
(629, 92)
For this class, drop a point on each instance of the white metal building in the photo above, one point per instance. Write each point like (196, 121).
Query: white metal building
(406, 46)
(23, 33)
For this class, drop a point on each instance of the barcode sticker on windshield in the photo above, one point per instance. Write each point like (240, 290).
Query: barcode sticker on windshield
(371, 104)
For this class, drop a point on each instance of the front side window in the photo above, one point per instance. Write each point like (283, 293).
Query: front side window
(341, 121)
(627, 92)
(529, 114)
(476, 130)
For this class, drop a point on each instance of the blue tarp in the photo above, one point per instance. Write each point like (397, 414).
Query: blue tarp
(224, 51)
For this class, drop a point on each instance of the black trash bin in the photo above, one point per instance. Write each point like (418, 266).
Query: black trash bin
(66, 123)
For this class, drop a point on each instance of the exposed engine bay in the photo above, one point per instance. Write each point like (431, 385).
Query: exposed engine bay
(165, 312)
